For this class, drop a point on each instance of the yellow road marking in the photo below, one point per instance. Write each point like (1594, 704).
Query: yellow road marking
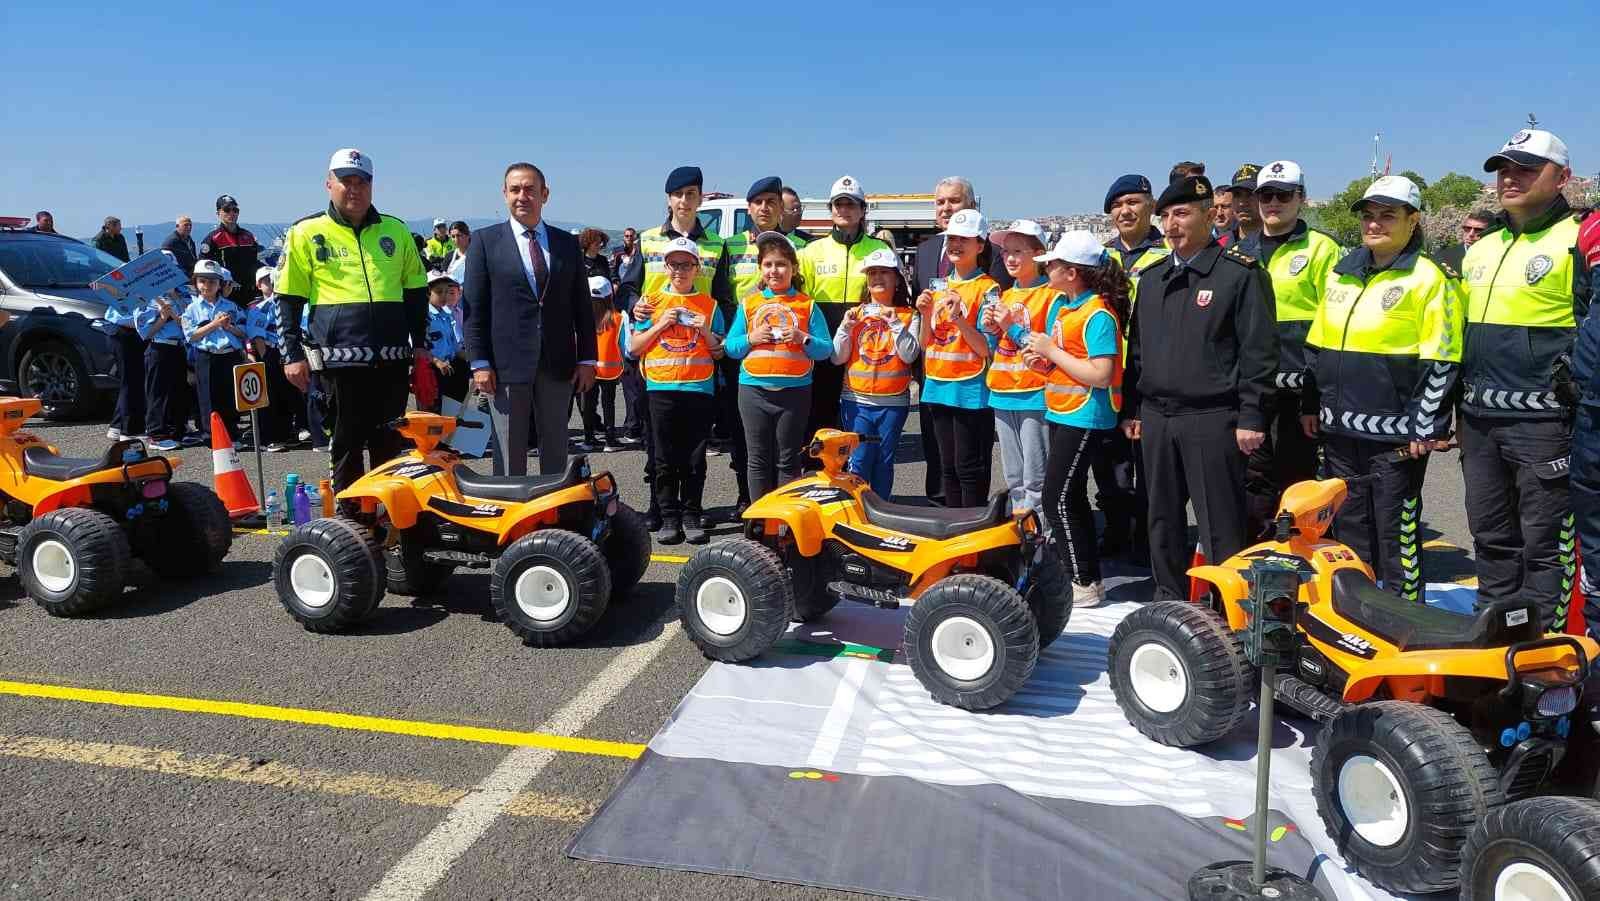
(277, 774)
(669, 558)
(327, 718)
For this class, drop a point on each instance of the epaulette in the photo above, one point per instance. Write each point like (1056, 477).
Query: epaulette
(1239, 256)
(1448, 270)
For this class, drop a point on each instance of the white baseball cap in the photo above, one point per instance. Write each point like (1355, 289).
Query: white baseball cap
(439, 275)
(682, 245)
(1530, 147)
(1078, 248)
(1281, 174)
(882, 258)
(211, 269)
(1020, 227)
(599, 287)
(266, 273)
(847, 186)
(350, 161)
(438, 222)
(967, 224)
(1391, 190)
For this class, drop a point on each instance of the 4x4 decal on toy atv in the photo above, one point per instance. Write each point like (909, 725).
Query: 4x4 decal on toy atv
(819, 494)
(413, 470)
(860, 539)
(451, 508)
(1344, 641)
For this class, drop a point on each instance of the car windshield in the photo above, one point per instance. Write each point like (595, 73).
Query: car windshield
(37, 261)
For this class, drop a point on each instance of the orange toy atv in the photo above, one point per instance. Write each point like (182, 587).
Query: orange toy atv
(71, 526)
(562, 547)
(987, 591)
(1432, 719)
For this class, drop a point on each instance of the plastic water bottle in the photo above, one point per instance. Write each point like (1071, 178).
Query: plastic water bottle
(302, 506)
(289, 481)
(325, 494)
(274, 508)
(314, 498)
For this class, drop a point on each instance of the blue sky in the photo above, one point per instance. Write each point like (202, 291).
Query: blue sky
(148, 110)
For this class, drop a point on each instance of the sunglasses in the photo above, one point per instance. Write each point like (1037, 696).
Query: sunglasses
(1269, 194)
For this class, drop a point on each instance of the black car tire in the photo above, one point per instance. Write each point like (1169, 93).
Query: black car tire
(195, 534)
(1049, 597)
(1544, 843)
(73, 561)
(734, 599)
(986, 619)
(550, 565)
(57, 361)
(340, 584)
(1179, 674)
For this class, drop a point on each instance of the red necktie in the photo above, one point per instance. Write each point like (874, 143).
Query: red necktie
(541, 272)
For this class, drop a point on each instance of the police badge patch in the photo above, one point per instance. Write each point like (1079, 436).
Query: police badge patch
(1297, 264)
(1538, 268)
(1392, 297)
(386, 244)
(1203, 299)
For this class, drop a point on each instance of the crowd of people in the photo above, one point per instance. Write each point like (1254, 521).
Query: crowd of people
(1214, 350)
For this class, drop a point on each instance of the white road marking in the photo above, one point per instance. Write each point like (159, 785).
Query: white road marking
(424, 865)
(826, 748)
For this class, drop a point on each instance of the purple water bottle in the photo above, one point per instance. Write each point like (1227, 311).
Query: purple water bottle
(302, 505)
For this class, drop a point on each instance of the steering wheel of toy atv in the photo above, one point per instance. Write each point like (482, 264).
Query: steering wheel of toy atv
(815, 447)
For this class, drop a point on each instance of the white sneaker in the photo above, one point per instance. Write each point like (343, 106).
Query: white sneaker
(114, 434)
(305, 434)
(1091, 595)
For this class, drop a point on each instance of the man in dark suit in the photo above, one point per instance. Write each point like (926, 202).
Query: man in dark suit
(949, 195)
(529, 327)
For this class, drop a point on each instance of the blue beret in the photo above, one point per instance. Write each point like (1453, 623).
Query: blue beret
(772, 184)
(1127, 184)
(683, 177)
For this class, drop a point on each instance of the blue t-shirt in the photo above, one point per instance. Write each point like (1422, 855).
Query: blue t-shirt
(818, 345)
(170, 332)
(218, 340)
(443, 342)
(970, 393)
(1101, 339)
(261, 321)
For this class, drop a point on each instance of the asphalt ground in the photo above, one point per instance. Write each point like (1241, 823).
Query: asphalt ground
(195, 741)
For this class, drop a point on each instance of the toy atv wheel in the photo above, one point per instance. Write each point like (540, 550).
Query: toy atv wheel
(812, 599)
(73, 561)
(734, 599)
(550, 586)
(1399, 786)
(329, 574)
(1541, 849)
(195, 535)
(971, 641)
(627, 548)
(410, 574)
(1179, 674)
(1049, 597)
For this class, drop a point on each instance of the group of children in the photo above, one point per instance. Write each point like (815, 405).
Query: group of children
(177, 356)
(1039, 365)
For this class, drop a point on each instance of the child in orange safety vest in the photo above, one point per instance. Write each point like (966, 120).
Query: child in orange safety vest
(1016, 385)
(1082, 343)
(599, 404)
(676, 335)
(877, 343)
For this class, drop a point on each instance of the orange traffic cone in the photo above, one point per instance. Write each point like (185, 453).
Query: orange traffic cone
(231, 484)
(1197, 588)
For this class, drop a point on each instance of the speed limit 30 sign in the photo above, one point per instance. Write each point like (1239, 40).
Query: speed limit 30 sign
(250, 386)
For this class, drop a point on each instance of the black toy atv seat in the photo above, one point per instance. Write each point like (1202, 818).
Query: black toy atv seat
(519, 489)
(1414, 626)
(39, 462)
(935, 522)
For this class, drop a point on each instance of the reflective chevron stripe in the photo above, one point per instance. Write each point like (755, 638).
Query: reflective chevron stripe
(1512, 400)
(1433, 391)
(1410, 565)
(1290, 380)
(1370, 423)
(1564, 546)
(358, 356)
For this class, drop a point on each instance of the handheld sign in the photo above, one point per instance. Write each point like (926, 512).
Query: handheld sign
(250, 386)
(139, 281)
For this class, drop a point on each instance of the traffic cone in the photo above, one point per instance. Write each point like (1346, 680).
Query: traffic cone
(228, 475)
(1197, 588)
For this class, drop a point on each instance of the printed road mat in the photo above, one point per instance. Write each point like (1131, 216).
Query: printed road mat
(825, 763)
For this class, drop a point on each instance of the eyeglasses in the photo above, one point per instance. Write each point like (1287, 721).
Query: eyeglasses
(681, 266)
(1274, 196)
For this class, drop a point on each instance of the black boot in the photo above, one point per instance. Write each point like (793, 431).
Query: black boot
(671, 532)
(695, 526)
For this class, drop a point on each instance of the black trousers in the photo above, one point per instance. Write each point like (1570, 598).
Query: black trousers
(166, 390)
(599, 408)
(966, 452)
(1066, 499)
(932, 471)
(457, 382)
(364, 399)
(774, 433)
(129, 349)
(1191, 457)
(1120, 490)
(214, 383)
(1286, 456)
(1381, 520)
(1518, 510)
(827, 384)
(285, 412)
(680, 423)
(636, 411)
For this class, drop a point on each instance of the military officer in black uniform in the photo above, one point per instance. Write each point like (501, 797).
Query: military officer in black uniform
(1202, 351)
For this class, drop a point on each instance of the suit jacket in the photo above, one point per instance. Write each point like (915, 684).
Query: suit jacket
(515, 331)
(931, 250)
(632, 273)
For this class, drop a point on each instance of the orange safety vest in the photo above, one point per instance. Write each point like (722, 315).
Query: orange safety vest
(1007, 373)
(948, 357)
(790, 314)
(1063, 393)
(608, 356)
(876, 370)
(680, 354)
